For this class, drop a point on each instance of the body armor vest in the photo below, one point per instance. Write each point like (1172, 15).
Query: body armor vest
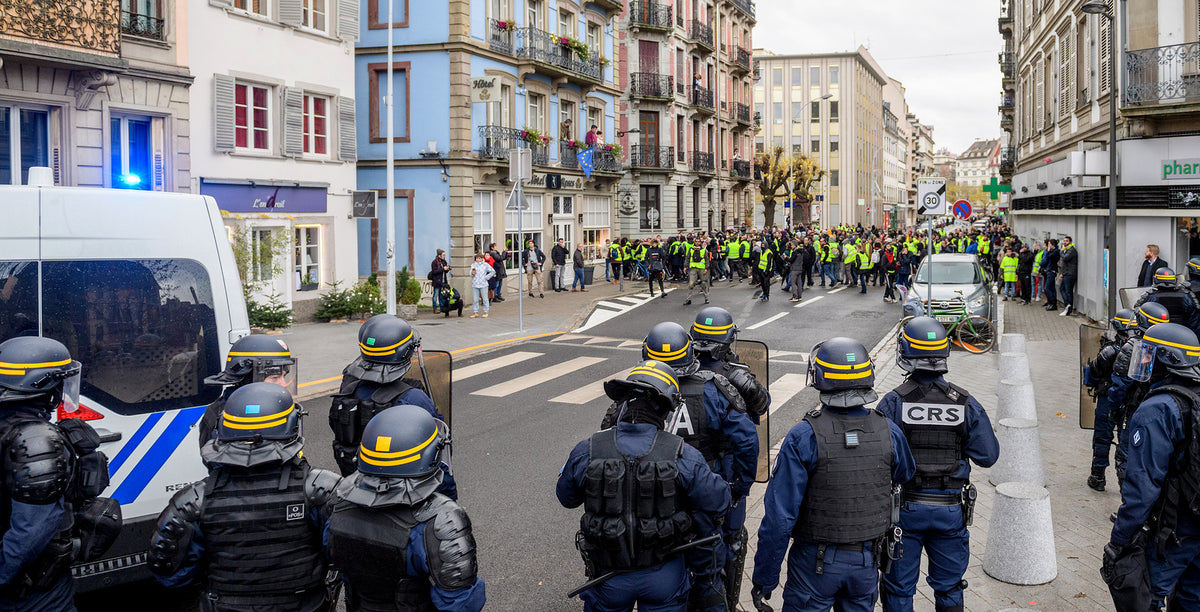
(348, 415)
(848, 497)
(634, 515)
(1175, 303)
(370, 545)
(1181, 488)
(690, 422)
(934, 420)
(263, 549)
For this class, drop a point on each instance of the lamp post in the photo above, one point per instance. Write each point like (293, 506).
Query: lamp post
(791, 167)
(1099, 7)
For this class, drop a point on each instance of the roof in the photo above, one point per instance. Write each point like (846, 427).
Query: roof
(861, 54)
(980, 148)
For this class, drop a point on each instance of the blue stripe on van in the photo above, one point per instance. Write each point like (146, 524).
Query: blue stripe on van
(135, 440)
(157, 456)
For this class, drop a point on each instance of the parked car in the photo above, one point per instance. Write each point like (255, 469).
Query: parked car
(958, 278)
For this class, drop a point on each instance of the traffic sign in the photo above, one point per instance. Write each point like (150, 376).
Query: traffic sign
(931, 194)
(962, 209)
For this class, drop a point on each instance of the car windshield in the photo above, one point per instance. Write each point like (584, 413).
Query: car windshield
(951, 273)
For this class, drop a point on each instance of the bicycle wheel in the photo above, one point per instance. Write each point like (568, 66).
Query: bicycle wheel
(976, 334)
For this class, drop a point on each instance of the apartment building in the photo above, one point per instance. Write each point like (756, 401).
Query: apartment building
(894, 96)
(891, 192)
(98, 91)
(945, 164)
(921, 163)
(685, 118)
(978, 164)
(830, 107)
(1058, 126)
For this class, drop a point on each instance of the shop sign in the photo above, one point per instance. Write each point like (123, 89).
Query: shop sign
(266, 198)
(1180, 169)
(567, 182)
(485, 89)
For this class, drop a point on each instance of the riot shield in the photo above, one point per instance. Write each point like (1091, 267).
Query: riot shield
(1089, 346)
(755, 355)
(436, 372)
(1130, 295)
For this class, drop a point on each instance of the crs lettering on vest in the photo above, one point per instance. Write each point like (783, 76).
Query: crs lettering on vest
(295, 512)
(680, 422)
(946, 415)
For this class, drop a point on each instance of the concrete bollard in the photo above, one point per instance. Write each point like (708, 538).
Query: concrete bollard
(1014, 366)
(1020, 541)
(1015, 400)
(1012, 343)
(1020, 453)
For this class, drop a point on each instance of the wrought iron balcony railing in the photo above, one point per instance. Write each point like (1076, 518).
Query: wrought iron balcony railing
(143, 26)
(702, 97)
(701, 162)
(1008, 160)
(500, 35)
(1163, 75)
(650, 14)
(743, 113)
(701, 33)
(742, 59)
(566, 155)
(745, 6)
(606, 161)
(651, 85)
(741, 170)
(90, 25)
(651, 158)
(496, 140)
(541, 46)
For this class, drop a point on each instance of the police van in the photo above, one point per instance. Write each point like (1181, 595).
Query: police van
(143, 290)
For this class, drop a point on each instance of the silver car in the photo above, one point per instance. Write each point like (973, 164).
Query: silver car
(958, 278)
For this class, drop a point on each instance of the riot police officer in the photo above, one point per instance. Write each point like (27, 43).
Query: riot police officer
(1193, 267)
(1177, 298)
(1097, 377)
(255, 358)
(944, 427)
(35, 569)
(251, 530)
(399, 544)
(676, 498)
(831, 491)
(1162, 480)
(1125, 393)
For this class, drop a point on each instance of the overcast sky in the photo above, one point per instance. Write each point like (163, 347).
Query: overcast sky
(944, 51)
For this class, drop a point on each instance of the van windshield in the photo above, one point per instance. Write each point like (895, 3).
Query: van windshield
(144, 330)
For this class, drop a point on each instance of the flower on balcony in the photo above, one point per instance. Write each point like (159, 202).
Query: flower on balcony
(534, 137)
(571, 144)
(577, 46)
(507, 26)
(604, 61)
(615, 149)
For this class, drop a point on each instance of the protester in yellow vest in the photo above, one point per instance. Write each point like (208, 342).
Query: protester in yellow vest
(1009, 266)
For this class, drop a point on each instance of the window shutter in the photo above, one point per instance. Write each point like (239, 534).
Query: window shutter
(158, 146)
(291, 13)
(221, 3)
(293, 121)
(347, 138)
(347, 19)
(1039, 95)
(1105, 47)
(223, 127)
(1064, 71)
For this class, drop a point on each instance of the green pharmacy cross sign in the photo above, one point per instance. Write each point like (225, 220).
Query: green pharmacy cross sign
(994, 188)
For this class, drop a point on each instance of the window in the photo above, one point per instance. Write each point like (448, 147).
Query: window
(24, 143)
(308, 254)
(816, 111)
(566, 23)
(130, 152)
(833, 178)
(533, 13)
(814, 76)
(777, 112)
(679, 202)
(563, 205)
(378, 106)
(833, 76)
(816, 144)
(833, 143)
(377, 13)
(498, 111)
(797, 75)
(261, 243)
(650, 208)
(252, 117)
(777, 77)
(595, 37)
(483, 220)
(316, 125)
(595, 116)
(833, 111)
(314, 14)
(797, 112)
(536, 110)
(258, 7)
(695, 206)
(531, 218)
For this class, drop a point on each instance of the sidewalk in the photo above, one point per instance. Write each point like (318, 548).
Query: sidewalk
(1081, 525)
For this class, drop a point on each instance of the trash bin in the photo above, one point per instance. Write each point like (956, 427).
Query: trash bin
(588, 274)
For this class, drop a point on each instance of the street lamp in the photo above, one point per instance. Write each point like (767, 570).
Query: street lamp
(1099, 7)
(791, 166)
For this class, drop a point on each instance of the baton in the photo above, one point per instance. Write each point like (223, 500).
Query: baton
(606, 577)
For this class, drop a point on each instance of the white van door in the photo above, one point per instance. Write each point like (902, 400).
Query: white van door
(18, 262)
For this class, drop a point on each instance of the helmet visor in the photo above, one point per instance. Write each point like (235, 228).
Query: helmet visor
(70, 391)
(281, 374)
(1141, 363)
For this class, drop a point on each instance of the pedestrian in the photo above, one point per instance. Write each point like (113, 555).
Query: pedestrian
(832, 497)
(608, 260)
(577, 263)
(888, 268)
(399, 544)
(1038, 275)
(254, 358)
(1008, 267)
(498, 258)
(795, 270)
(481, 273)
(439, 269)
(866, 266)
(1069, 265)
(1025, 273)
(655, 256)
(946, 430)
(558, 256)
(1050, 268)
(697, 262)
(532, 259)
(850, 263)
(251, 530)
(1151, 265)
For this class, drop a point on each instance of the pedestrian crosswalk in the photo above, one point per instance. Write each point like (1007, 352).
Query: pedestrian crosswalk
(607, 310)
(521, 383)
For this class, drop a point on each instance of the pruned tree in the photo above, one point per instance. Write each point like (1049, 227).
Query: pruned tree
(775, 167)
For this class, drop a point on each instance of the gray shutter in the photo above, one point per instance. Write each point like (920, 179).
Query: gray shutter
(347, 20)
(221, 3)
(347, 137)
(290, 12)
(293, 121)
(223, 126)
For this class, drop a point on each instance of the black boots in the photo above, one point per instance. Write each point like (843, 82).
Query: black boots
(1096, 480)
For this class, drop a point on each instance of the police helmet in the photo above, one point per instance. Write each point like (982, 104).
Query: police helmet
(1125, 320)
(653, 379)
(841, 370)
(402, 441)
(259, 411)
(669, 343)
(1151, 313)
(713, 330)
(253, 359)
(1170, 345)
(1194, 268)
(40, 372)
(1165, 277)
(387, 339)
(923, 346)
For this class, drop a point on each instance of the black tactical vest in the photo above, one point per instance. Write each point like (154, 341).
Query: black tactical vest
(934, 420)
(1181, 488)
(692, 424)
(370, 545)
(262, 548)
(1173, 301)
(634, 514)
(55, 558)
(848, 497)
(348, 415)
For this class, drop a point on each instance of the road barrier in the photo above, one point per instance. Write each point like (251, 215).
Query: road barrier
(1020, 453)
(1020, 541)
(1014, 400)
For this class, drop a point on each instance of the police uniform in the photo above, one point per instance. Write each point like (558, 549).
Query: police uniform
(831, 491)
(945, 427)
(399, 544)
(254, 358)
(1125, 393)
(671, 497)
(251, 530)
(1097, 376)
(1177, 298)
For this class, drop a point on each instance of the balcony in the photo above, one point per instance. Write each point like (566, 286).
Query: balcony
(651, 85)
(143, 26)
(1163, 75)
(701, 162)
(500, 35)
(1006, 105)
(650, 15)
(1008, 161)
(610, 5)
(742, 113)
(661, 159)
(1006, 122)
(1007, 62)
(606, 161)
(566, 155)
(745, 6)
(496, 140)
(702, 34)
(741, 60)
(556, 59)
(702, 99)
(1005, 23)
(93, 26)
(742, 171)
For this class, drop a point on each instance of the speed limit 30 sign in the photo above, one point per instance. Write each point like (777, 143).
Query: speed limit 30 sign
(931, 195)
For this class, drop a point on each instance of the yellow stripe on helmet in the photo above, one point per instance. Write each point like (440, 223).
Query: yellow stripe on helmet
(269, 425)
(31, 366)
(714, 330)
(927, 344)
(397, 458)
(1173, 344)
(13, 372)
(1151, 317)
(847, 376)
(834, 366)
(254, 354)
(376, 351)
(671, 356)
(258, 419)
(655, 374)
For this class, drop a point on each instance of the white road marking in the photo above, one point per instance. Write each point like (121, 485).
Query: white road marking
(492, 364)
(842, 288)
(810, 301)
(601, 340)
(768, 320)
(590, 391)
(602, 315)
(785, 388)
(538, 377)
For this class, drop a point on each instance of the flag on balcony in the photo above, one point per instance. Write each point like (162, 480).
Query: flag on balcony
(585, 161)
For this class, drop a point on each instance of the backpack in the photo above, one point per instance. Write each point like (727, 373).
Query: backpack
(835, 251)
(97, 519)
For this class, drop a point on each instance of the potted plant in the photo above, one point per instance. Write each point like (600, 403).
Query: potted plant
(308, 283)
(615, 149)
(506, 26)
(408, 293)
(534, 137)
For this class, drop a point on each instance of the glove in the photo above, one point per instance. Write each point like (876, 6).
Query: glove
(757, 595)
(1112, 552)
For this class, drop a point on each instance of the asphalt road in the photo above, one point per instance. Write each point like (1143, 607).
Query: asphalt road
(518, 411)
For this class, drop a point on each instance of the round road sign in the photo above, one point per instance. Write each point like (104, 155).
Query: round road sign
(962, 209)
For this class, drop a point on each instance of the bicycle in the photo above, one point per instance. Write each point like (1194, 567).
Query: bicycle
(974, 333)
